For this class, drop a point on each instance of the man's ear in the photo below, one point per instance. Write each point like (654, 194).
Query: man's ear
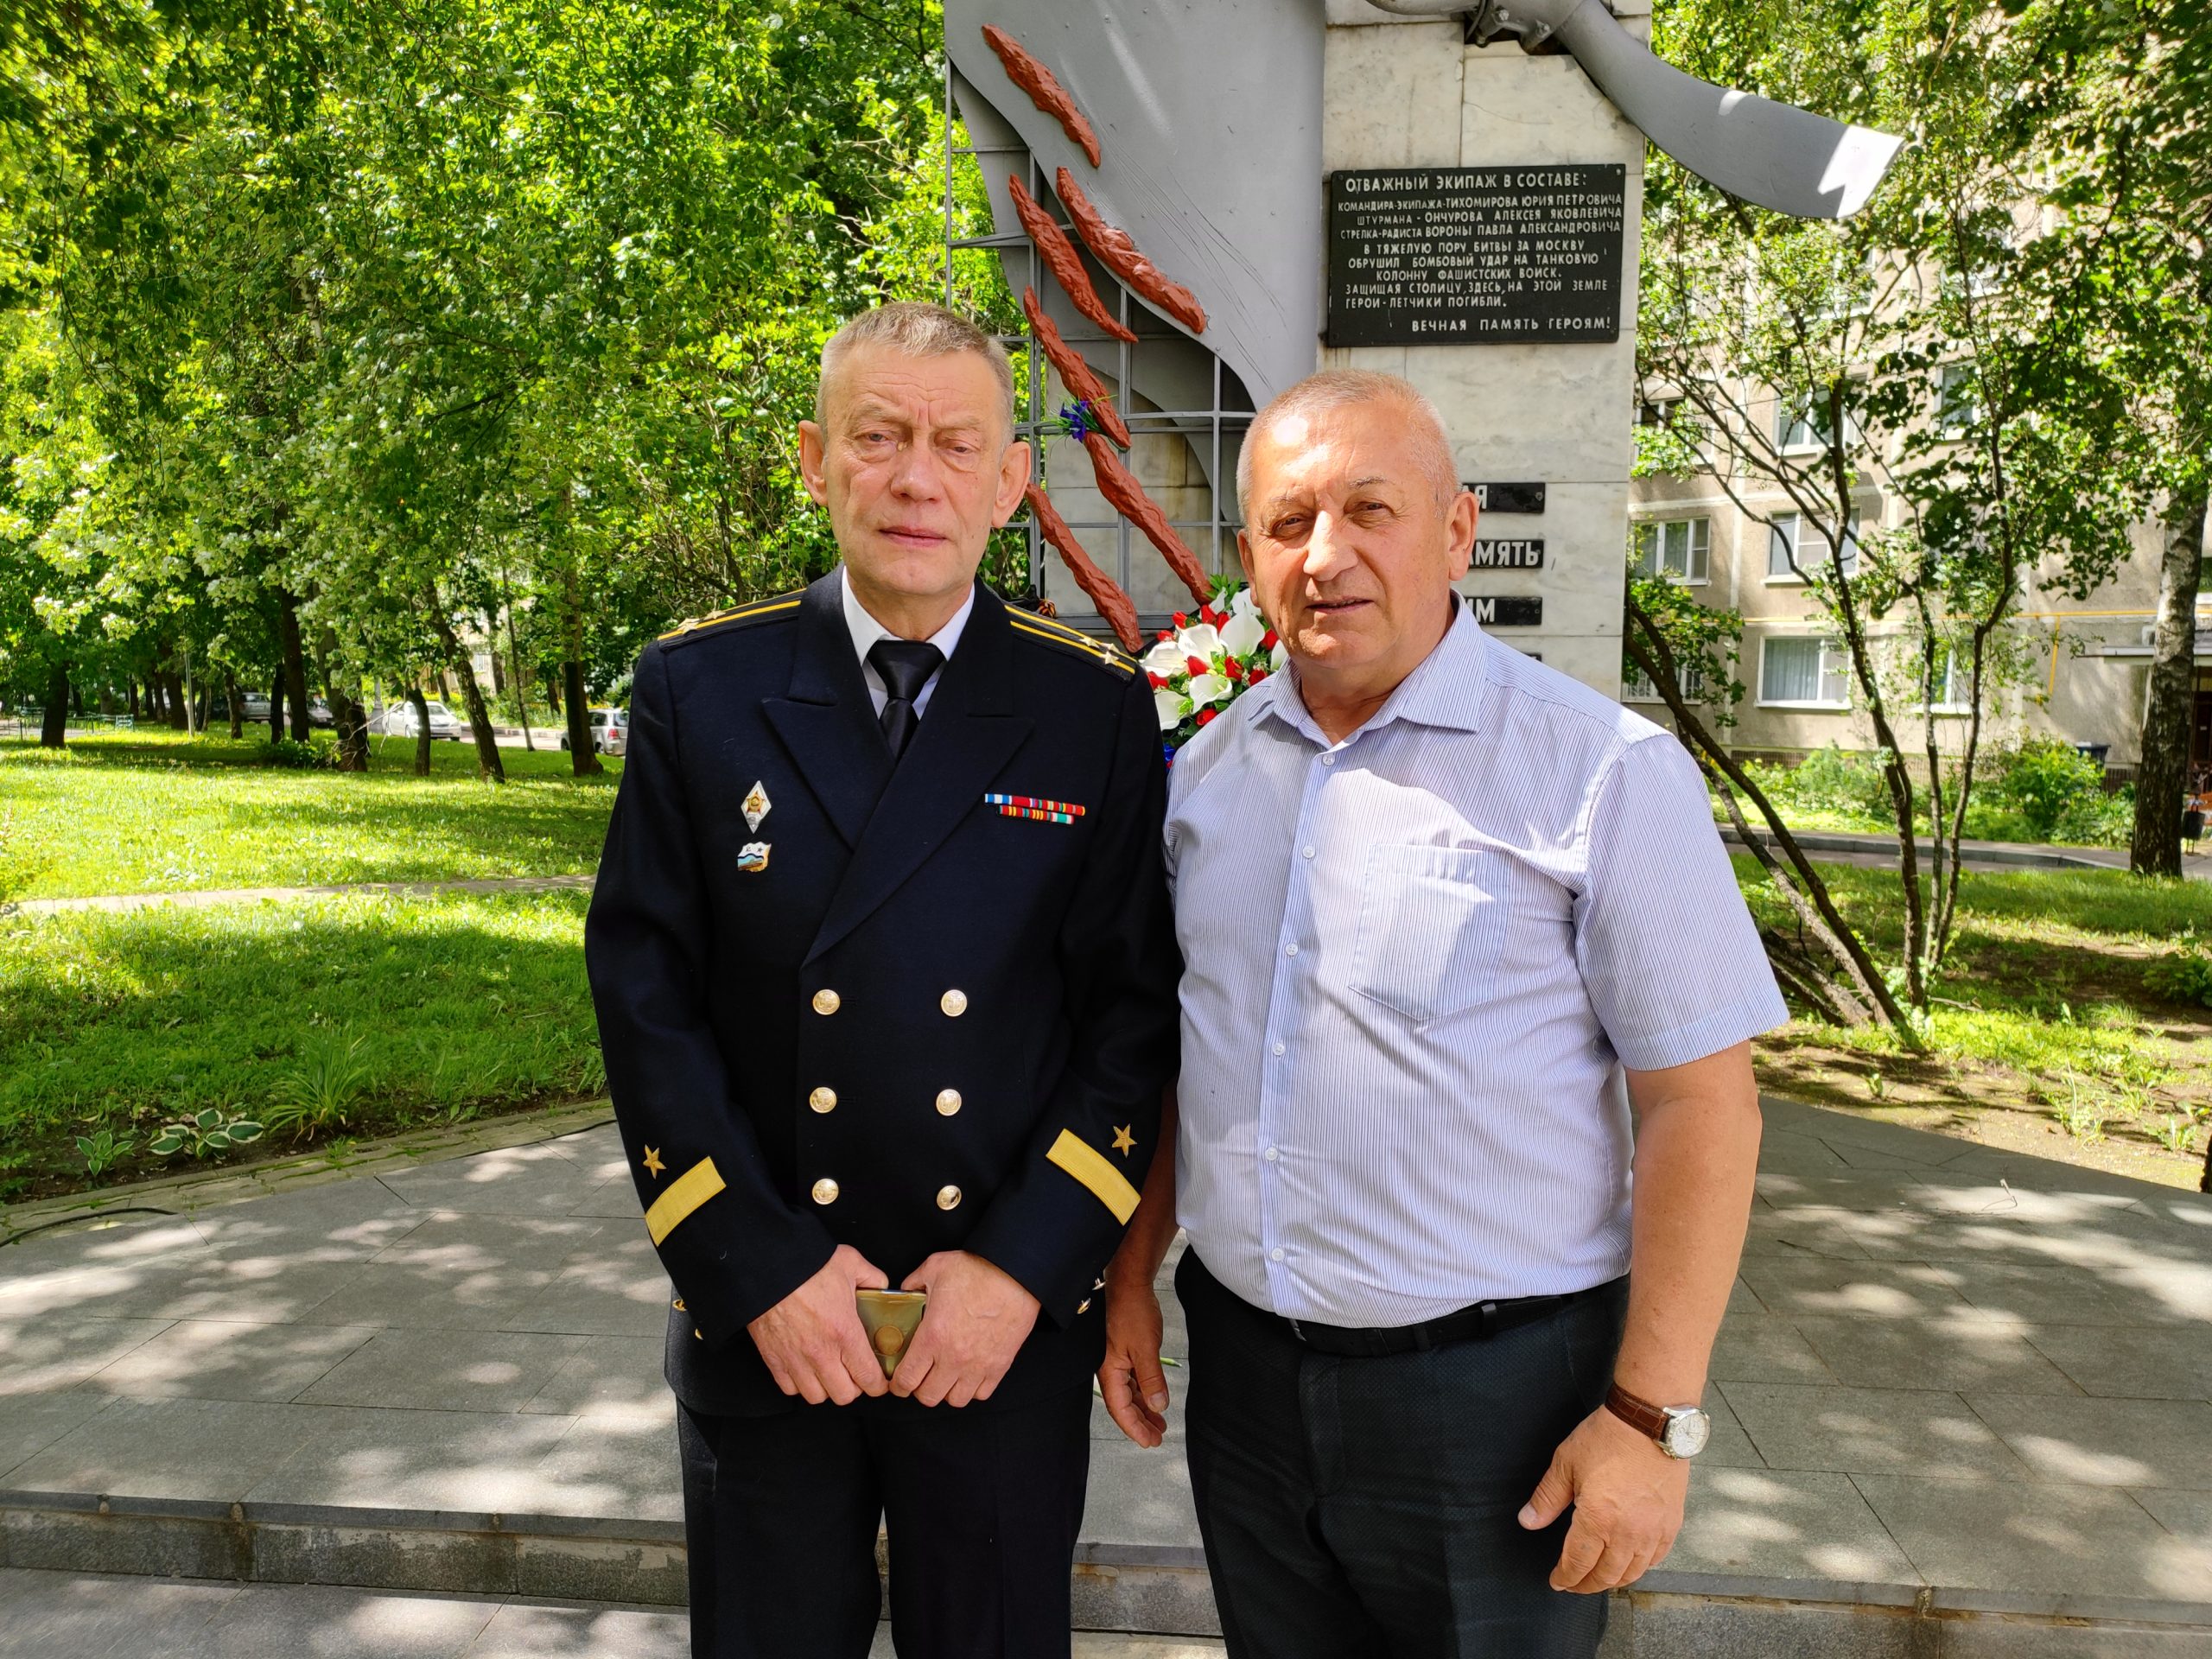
(1013, 478)
(1459, 533)
(811, 467)
(1244, 558)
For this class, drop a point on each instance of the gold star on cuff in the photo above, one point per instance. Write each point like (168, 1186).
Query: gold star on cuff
(1124, 1143)
(654, 1164)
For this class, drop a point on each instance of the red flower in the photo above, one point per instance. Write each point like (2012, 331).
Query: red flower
(1158, 683)
(1198, 665)
(1167, 633)
(1205, 714)
(1182, 619)
(1207, 615)
(1233, 668)
(1258, 674)
(1268, 640)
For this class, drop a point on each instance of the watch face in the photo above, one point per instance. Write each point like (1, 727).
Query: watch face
(1686, 1433)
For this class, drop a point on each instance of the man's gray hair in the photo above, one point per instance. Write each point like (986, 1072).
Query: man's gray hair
(917, 328)
(1334, 388)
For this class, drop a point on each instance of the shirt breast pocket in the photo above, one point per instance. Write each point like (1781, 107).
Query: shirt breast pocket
(1432, 926)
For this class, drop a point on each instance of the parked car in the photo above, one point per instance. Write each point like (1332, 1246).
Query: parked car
(319, 713)
(610, 732)
(397, 719)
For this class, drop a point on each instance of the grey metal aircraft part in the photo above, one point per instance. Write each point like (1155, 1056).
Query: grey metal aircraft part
(1775, 154)
(1208, 121)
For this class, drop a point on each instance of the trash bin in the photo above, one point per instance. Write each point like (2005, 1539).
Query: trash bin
(2192, 825)
(2096, 752)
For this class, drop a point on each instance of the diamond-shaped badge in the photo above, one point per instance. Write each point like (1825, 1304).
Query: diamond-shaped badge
(756, 807)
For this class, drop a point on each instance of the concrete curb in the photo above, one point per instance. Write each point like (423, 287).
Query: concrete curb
(1829, 841)
(1158, 1589)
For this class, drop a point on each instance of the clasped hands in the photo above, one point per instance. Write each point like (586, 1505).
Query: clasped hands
(977, 1321)
(1627, 1494)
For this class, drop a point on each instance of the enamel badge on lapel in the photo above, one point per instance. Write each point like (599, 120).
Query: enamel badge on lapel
(753, 858)
(755, 807)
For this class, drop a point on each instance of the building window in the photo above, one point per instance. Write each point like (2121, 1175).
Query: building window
(1954, 682)
(1657, 412)
(1803, 671)
(1796, 550)
(1637, 686)
(1678, 549)
(1958, 400)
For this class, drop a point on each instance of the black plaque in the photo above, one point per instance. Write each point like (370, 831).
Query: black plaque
(1509, 553)
(1476, 255)
(1507, 497)
(1507, 610)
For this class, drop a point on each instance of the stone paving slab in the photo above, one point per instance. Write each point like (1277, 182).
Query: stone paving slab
(83, 1616)
(1928, 1347)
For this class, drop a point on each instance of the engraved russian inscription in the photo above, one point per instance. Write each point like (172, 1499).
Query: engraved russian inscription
(1476, 255)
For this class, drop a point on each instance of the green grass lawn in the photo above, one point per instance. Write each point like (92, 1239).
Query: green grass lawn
(363, 1014)
(2042, 1011)
(148, 812)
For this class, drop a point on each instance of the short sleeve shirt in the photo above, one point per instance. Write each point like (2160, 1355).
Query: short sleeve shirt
(1416, 963)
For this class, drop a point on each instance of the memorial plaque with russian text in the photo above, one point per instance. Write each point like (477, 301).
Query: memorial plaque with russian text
(1476, 255)
(1509, 553)
(1507, 497)
(1507, 610)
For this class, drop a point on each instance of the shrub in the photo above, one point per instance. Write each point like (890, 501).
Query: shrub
(2185, 976)
(297, 756)
(2098, 820)
(2045, 777)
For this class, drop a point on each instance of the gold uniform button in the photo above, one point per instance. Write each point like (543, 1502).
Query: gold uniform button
(824, 1100)
(1084, 1306)
(827, 1000)
(954, 1003)
(948, 1198)
(825, 1190)
(948, 1101)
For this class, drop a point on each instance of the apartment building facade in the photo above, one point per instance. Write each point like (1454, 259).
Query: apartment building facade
(2079, 669)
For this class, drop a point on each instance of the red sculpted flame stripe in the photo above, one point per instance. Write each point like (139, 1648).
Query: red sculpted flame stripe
(1119, 610)
(1117, 250)
(1120, 487)
(1044, 89)
(1063, 261)
(1075, 373)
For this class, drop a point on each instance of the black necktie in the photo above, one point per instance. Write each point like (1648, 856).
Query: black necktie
(905, 666)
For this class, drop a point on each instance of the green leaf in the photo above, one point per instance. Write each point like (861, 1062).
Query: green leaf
(208, 1119)
(163, 1146)
(217, 1141)
(245, 1130)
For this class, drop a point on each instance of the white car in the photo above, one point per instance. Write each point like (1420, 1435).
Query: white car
(397, 719)
(610, 732)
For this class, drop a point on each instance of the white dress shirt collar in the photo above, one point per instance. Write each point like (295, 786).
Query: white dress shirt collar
(866, 631)
(1445, 689)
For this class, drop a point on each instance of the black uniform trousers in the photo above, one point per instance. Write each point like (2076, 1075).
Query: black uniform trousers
(982, 1506)
(1367, 1509)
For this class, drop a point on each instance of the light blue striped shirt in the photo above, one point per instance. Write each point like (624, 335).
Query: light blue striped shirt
(1416, 962)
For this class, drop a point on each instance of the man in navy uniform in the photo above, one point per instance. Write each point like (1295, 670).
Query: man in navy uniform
(885, 983)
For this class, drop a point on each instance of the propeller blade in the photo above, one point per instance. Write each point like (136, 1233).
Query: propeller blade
(1775, 154)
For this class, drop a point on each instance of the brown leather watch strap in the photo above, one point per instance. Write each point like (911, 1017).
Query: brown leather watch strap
(1639, 1414)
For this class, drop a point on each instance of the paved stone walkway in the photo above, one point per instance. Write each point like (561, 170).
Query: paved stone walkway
(92, 1616)
(1944, 1366)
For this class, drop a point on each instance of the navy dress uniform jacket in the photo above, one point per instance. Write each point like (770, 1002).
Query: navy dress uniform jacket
(892, 1012)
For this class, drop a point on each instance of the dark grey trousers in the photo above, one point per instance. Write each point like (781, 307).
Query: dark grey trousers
(1366, 1509)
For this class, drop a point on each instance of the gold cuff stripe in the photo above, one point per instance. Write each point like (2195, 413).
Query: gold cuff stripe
(1081, 642)
(1088, 1164)
(688, 1191)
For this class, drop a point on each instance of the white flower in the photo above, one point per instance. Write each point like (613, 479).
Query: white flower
(1168, 702)
(1241, 634)
(1240, 603)
(1281, 657)
(1208, 688)
(1163, 659)
(1200, 640)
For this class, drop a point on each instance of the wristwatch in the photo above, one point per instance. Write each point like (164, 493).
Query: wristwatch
(1681, 1431)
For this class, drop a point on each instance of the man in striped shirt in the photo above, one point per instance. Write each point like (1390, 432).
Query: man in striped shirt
(1463, 950)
